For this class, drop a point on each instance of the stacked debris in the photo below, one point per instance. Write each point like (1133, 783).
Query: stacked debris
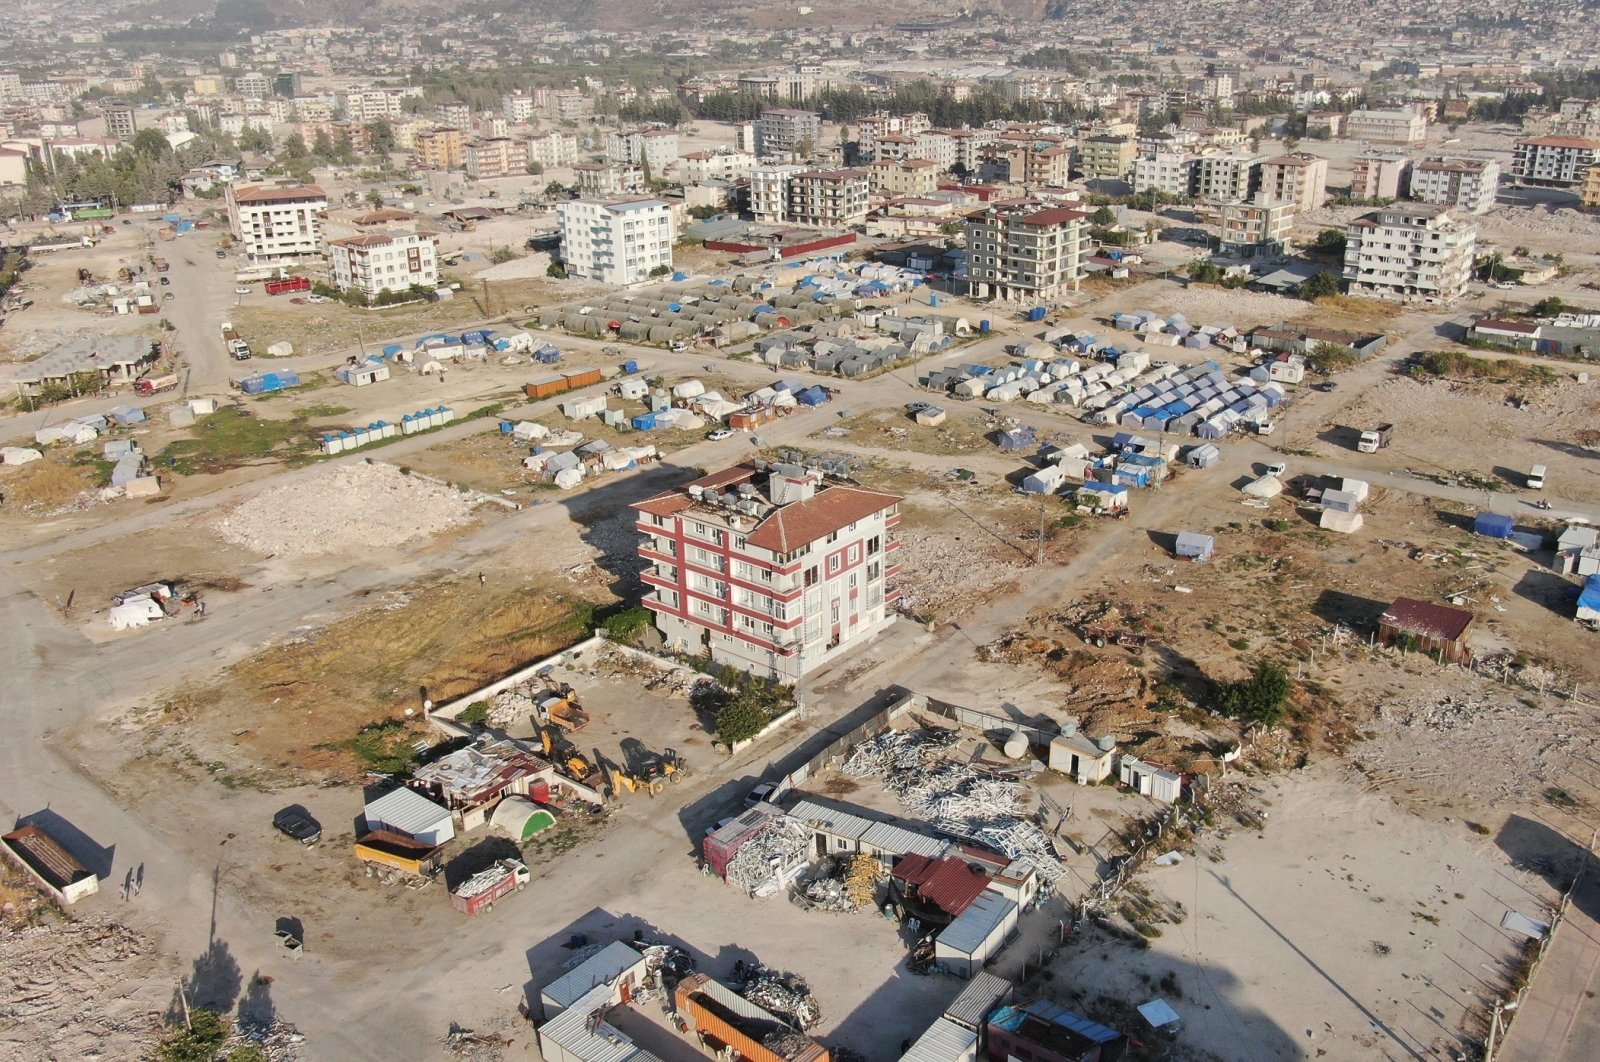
(959, 800)
(667, 964)
(861, 882)
(844, 883)
(786, 1043)
(510, 706)
(782, 993)
(278, 1041)
(764, 864)
(473, 1046)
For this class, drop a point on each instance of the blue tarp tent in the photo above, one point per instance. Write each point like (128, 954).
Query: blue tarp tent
(811, 396)
(645, 422)
(1017, 438)
(1493, 525)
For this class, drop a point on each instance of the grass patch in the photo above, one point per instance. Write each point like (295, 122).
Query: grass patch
(233, 438)
(50, 483)
(324, 409)
(1452, 364)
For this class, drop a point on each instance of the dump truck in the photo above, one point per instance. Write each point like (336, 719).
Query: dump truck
(1376, 439)
(154, 385)
(479, 892)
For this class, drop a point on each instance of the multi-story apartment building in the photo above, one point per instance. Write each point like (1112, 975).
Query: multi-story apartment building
(616, 241)
(1298, 178)
(1465, 184)
(391, 261)
(967, 147)
(1033, 161)
(1104, 157)
(1227, 178)
(253, 86)
(455, 115)
(901, 178)
(596, 180)
(1591, 188)
(698, 167)
(373, 104)
(277, 221)
(769, 192)
(652, 149)
(829, 198)
(496, 157)
(517, 107)
(120, 121)
(1257, 228)
(551, 150)
(440, 148)
(1380, 175)
(782, 132)
(1020, 249)
(770, 568)
(1553, 161)
(1171, 173)
(1386, 127)
(1416, 253)
(570, 105)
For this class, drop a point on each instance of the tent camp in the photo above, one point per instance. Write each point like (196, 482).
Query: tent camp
(1347, 523)
(134, 612)
(1265, 487)
(1045, 481)
(521, 818)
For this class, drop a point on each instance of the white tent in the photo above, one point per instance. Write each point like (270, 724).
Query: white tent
(1265, 487)
(135, 612)
(18, 455)
(1345, 523)
(528, 431)
(1357, 487)
(689, 389)
(568, 478)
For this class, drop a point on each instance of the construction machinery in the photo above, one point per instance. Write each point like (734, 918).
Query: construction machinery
(617, 778)
(566, 757)
(669, 766)
(559, 706)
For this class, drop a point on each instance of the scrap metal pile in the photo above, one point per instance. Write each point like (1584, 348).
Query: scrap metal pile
(953, 796)
(782, 993)
(761, 865)
(845, 884)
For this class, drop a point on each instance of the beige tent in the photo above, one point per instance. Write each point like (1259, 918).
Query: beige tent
(1345, 523)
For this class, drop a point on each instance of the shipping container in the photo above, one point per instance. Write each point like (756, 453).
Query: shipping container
(544, 388)
(581, 377)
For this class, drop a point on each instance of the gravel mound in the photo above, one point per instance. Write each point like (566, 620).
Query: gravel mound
(344, 510)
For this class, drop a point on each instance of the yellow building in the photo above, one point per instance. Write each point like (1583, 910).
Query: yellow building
(441, 148)
(904, 178)
(1591, 188)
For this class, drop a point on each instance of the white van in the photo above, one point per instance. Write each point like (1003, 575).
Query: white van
(1536, 478)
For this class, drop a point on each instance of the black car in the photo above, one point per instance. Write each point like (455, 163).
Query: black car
(1325, 386)
(295, 821)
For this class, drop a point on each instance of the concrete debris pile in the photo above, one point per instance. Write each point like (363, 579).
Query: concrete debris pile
(782, 993)
(470, 1046)
(768, 860)
(344, 510)
(957, 799)
(511, 706)
(846, 883)
(278, 1041)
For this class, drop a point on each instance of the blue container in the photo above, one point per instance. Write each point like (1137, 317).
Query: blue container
(1036, 314)
(506, 427)
(933, 300)
(983, 327)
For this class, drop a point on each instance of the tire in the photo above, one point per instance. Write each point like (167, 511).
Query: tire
(488, 907)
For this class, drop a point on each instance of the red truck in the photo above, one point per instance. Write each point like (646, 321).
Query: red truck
(479, 892)
(288, 285)
(154, 385)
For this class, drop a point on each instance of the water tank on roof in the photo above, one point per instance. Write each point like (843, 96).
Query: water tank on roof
(1106, 743)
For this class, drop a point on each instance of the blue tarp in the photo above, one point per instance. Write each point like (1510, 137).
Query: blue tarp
(811, 396)
(1589, 597)
(1493, 525)
(644, 422)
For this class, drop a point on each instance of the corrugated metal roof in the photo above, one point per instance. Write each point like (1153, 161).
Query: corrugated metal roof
(975, 925)
(978, 1000)
(407, 810)
(944, 1041)
(570, 1030)
(601, 967)
(887, 837)
(949, 884)
(838, 823)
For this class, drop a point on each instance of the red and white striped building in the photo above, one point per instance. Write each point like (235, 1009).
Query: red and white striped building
(773, 569)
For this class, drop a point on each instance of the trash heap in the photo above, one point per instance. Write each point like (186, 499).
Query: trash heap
(782, 993)
(668, 963)
(278, 1041)
(511, 706)
(786, 1043)
(848, 883)
(861, 882)
(761, 866)
(953, 796)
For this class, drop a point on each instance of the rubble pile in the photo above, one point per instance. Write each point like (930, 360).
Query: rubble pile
(760, 866)
(846, 883)
(470, 1046)
(511, 706)
(861, 882)
(343, 510)
(667, 963)
(785, 994)
(278, 1041)
(786, 1043)
(956, 798)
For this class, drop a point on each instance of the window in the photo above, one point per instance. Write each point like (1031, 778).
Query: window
(855, 554)
(811, 576)
(852, 580)
(833, 564)
(835, 611)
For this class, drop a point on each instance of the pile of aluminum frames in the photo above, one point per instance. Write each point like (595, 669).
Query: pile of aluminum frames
(953, 796)
(766, 862)
(784, 994)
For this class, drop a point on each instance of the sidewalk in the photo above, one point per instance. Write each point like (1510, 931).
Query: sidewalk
(1559, 1021)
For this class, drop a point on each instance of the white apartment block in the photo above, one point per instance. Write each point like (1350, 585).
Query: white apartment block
(1380, 175)
(1169, 172)
(596, 180)
(390, 261)
(1416, 253)
(617, 241)
(1258, 228)
(1227, 178)
(277, 221)
(653, 149)
(698, 167)
(1465, 184)
(1553, 161)
(968, 146)
(829, 199)
(1386, 127)
(253, 86)
(553, 150)
(517, 107)
(1298, 179)
(770, 568)
(373, 104)
(785, 131)
(1019, 250)
(769, 192)
(496, 157)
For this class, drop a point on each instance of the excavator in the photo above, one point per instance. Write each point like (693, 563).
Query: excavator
(669, 766)
(618, 778)
(565, 755)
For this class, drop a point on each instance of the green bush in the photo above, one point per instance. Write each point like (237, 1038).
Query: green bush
(1261, 698)
(740, 720)
(750, 705)
(475, 714)
(1279, 526)
(627, 624)
(200, 1042)
(388, 747)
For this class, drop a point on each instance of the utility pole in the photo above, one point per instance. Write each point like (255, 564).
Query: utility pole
(1038, 557)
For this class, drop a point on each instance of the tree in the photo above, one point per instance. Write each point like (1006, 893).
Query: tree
(1205, 272)
(322, 146)
(254, 138)
(381, 135)
(1549, 306)
(535, 169)
(556, 190)
(1261, 698)
(375, 199)
(200, 1042)
(294, 146)
(1104, 216)
(660, 270)
(1319, 285)
(556, 270)
(1329, 242)
(150, 144)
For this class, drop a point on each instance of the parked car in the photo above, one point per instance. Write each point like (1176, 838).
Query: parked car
(222, 254)
(761, 792)
(166, 282)
(1277, 469)
(1325, 386)
(719, 824)
(168, 296)
(720, 434)
(295, 821)
(241, 290)
(916, 407)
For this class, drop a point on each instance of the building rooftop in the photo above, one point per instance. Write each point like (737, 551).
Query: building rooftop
(1561, 142)
(978, 1000)
(598, 969)
(88, 355)
(406, 809)
(975, 925)
(1410, 616)
(477, 772)
(949, 884)
(299, 193)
